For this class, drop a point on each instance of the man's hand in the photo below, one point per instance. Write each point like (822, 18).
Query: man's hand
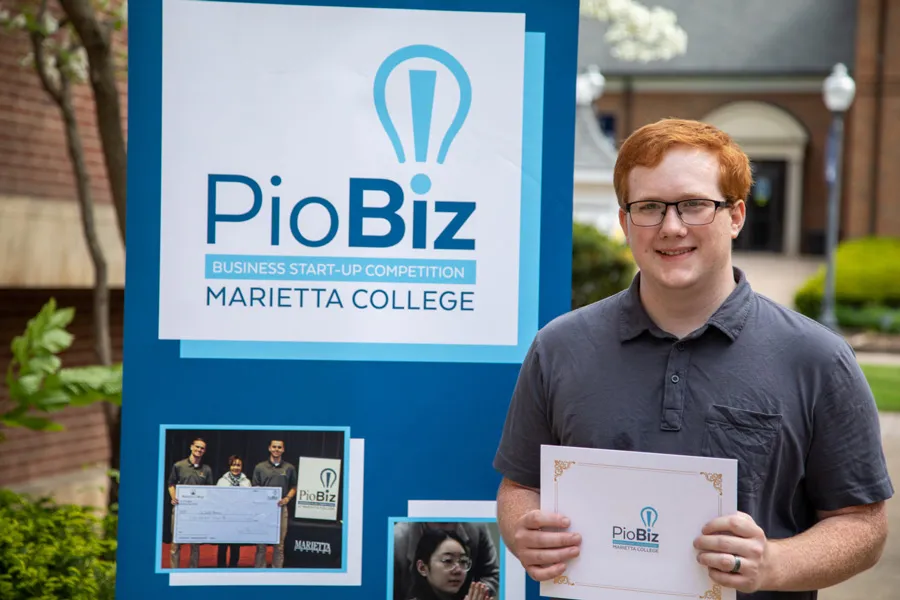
(544, 554)
(283, 501)
(174, 501)
(737, 535)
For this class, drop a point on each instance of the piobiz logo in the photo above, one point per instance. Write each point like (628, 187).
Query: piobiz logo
(386, 223)
(638, 539)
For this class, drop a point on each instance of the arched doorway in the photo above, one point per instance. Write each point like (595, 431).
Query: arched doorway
(776, 143)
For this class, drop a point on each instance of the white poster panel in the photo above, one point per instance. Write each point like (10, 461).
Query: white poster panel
(318, 488)
(371, 196)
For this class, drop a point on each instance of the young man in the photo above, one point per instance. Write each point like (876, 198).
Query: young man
(188, 471)
(690, 360)
(276, 473)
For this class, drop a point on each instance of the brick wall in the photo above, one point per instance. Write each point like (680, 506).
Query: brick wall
(34, 161)
(874, 133)
(35, 166)
(26, 455)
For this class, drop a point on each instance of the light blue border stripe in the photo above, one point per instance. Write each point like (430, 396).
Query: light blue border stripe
(392, 521)
(345, 512)
(529, 268)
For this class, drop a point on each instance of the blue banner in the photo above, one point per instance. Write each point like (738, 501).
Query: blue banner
(346, 222)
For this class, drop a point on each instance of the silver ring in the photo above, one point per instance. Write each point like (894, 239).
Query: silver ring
(737, 564)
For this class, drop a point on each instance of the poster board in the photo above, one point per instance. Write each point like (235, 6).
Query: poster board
(274, 272)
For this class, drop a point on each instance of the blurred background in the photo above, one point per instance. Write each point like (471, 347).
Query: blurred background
(809, 88)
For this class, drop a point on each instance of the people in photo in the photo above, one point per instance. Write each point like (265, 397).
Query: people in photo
(276, 472)
(442, 562)
(690, 360)
(188, 471)
(233, 477)
(481, 551)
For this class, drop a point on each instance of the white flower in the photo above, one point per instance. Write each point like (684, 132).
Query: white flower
(18, 21)
(77, 65)
(49, 24)
(637, 32)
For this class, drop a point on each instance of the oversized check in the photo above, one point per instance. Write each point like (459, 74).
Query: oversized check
(638, 515)
(207, 514)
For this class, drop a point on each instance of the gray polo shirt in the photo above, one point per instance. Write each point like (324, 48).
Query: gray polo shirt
(758, 383)
(184, 472)
(266, 474)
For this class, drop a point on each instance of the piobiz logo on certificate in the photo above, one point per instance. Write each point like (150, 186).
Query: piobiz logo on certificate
(638, 539)
(380, 204)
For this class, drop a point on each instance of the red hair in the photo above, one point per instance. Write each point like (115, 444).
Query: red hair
(646, 147)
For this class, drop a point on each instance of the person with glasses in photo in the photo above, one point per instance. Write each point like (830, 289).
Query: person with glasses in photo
(187, 471)
(442, 562)
(480, 549)
(690, 360)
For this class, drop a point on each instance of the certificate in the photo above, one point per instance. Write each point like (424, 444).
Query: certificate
(638, 515)
(208, 514)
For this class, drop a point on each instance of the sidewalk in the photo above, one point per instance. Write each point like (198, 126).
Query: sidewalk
(878, 358)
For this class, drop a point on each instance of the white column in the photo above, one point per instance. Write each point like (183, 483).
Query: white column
(793, 205)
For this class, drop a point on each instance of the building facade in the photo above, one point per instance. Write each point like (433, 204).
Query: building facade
(756, 70)
(43, 256)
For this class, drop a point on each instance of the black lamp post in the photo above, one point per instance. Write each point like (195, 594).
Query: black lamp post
(838, 92)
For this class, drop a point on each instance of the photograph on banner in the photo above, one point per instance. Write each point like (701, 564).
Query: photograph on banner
(252, 497)
(440, 557)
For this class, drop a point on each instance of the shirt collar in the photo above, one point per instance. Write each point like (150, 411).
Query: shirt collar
(729, 318)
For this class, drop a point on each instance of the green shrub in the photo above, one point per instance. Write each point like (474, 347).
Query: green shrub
(601, 265)
(54, 552)
(867, 274)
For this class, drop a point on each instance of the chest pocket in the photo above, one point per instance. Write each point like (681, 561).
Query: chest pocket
(748, 436)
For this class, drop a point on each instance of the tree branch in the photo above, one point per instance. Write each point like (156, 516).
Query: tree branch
(97, 40)
(40, 65)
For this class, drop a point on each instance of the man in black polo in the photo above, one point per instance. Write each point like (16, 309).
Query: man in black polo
(276, 473)
(188, 471)
(690, 360)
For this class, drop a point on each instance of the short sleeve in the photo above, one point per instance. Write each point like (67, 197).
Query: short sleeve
(527, 425)
(173, 475)
(257, 478)
(292, 480)
(846, 465)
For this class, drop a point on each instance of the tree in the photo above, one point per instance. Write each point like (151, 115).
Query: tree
(636, 32)
(61, 61)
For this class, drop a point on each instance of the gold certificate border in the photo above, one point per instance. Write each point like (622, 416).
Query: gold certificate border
(561, 466)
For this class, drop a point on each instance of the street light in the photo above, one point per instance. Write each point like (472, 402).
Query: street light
(838, 91)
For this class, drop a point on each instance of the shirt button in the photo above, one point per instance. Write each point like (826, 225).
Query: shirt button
(680, 346)
(675, 379)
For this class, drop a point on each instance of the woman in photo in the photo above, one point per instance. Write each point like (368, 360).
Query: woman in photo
(233, 477)
(442, 562)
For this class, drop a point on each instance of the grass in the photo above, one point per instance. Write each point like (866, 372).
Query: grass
(885, 383)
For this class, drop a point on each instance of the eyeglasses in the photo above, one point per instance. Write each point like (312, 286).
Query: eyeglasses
(464, 562)
(695, 211)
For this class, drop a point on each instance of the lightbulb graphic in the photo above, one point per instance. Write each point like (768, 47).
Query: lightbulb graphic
(421, 90)
(327, 477)
(649, 516)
